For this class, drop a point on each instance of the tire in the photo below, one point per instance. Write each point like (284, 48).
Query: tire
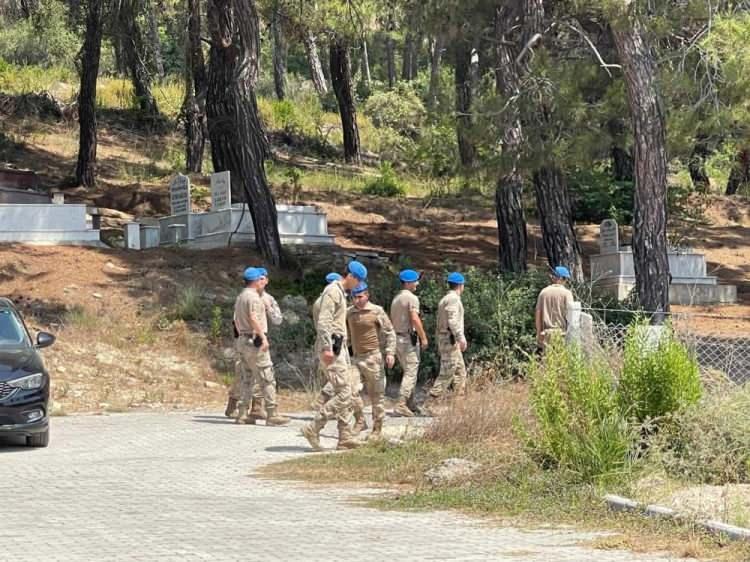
(38, 439)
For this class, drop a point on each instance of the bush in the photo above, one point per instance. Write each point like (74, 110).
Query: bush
(399, 109)
(596, 196)
(579, 426)
(659, 375)
(436, 151)
(708, 442)
(385, 185)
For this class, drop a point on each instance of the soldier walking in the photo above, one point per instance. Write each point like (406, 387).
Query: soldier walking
(331, 345)
(551, 316)
(451, 340)
(410, 337)
(253, 348)
(369, 329)
(327, 391)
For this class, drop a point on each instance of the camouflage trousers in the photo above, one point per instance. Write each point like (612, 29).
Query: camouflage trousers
(339, 407)
(258, 370)
(370, 370)
(240, 372)
(452, 369)
(408, 358)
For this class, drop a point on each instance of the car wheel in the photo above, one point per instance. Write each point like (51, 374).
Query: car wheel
(38, 439)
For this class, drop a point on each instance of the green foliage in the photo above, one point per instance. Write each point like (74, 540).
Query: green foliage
(579, 426)
(436, 150)
(596, 196)
(399, 109)
(44, 39)
(659, 375)
(20, 79)
(217, 322)
(709, 442)
(189, 303)
(386, 184)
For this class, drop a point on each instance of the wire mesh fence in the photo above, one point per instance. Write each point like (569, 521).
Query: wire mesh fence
(720, 344)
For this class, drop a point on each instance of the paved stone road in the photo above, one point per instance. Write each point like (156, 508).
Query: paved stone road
(180, 487)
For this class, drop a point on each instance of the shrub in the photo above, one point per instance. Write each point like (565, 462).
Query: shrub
(579, 426)
(659, 375)
(399, 109)
(596, 196)
(709, 442)
(436, 151)
(385, 185)
(189, 304)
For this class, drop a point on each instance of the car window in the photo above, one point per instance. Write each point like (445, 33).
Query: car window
(11, 329)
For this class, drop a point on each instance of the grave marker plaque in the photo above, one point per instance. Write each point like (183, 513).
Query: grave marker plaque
(221, 191)
(179, 195)
(609, 237)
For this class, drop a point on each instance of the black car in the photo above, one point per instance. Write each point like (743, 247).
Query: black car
(24, 382)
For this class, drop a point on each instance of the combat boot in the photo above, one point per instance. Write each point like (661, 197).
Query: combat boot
(360, 424)
(402, 409)
(275, 419)
(242, 416)
(231, 407)
(377, 431)
(256, 410)
(347, 439)
(309, 433)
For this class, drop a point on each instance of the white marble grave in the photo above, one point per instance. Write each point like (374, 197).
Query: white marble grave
(298, 224)
(613, 271)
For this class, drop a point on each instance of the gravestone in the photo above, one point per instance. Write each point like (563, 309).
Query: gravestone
(179, 195)
(609, 237)
(221, 191)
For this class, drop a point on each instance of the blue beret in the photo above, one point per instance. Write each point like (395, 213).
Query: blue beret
(263, 271)
(252, 274)
(331, 277)
(562, 272)
(361, 288)
(358, 270)
(456, 278)
(408, 276)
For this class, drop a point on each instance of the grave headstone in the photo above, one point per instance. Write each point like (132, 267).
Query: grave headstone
(133, 236)
(179, 195)
(609, 237)
(221, 191)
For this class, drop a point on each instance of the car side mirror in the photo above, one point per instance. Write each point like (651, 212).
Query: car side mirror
(43, 339)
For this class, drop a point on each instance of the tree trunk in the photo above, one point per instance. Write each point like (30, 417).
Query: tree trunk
(238, 142)
(697, 165)
(279, 54)
(622, 164)
(390, 60)
(436, 55)
(366, 74)
(511, 219)
(313, 59)
(740, 174)
(134, 57)
(154, 39)
(649, 135)
(408, 64)
(341, 77)
(196, 87)
(86, 166)
(464, 94)
(558, 234)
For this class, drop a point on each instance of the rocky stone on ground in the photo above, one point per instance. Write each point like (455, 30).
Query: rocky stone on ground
(451, 469)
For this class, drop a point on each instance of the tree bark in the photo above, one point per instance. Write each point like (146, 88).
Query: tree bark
(390, 60)
(366, 74)
(649, 135)
(622, 164)
(279, 54)
(558, 234)
(154, 39)
(464, 95)
(409, 63)
(511, 219)
(436, 56)
(238, 142)
(196, 87)
(740, 174)
(313, 59)
(341, 77)
(86, 165)
(132, 41)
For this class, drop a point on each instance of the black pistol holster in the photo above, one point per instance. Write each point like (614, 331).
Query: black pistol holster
(413, 336)
(337, 341)
(451, 337)
(257, 341)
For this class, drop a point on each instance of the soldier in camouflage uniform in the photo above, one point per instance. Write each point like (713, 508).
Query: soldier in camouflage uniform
(251, 320)
(331, 345)
(327, 391)
(451, 340)
(369, 330)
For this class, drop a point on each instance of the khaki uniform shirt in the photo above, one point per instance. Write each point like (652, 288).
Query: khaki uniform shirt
(450, 317)
(249, 303)
(369, 328)
(273, 311)
(553, 302)
(401, 307)
(332, 316)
